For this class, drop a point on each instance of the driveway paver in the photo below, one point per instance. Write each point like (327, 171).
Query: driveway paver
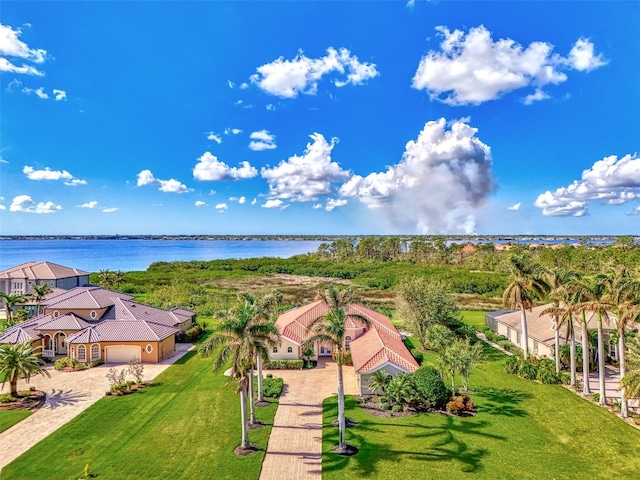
(295, 445)
(68, 394)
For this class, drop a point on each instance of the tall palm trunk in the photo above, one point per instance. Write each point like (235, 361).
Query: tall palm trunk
(260, 392)
(243, 413)
(252, 409)
(13, 383)
(586, 390)
(572, 354)
(342, 445)
(624, 406)
(525, 332)
(601, 369)
(556, 347)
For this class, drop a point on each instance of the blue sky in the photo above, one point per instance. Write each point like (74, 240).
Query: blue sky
(320, 117)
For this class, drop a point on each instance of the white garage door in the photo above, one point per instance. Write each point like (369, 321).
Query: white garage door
(122, 353)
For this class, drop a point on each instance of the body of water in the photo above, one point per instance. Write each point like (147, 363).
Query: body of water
(127, 255)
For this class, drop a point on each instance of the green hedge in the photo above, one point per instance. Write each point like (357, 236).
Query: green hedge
(284, 365)
(272, 386)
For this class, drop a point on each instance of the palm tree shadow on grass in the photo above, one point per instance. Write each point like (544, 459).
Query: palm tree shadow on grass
(502, 401)
(446, 448)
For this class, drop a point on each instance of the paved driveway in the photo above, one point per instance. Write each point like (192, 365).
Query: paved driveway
(68, 394)
(295, 444)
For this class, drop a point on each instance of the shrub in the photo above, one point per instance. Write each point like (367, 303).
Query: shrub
(385, 405)
(272, 386)
(512, 365)
(194, 333)
(396, 408)
(430, 387)
(547, 372)
(528, 370)
(455, 408)
(7, 398)
(284, 365)
(596, 397)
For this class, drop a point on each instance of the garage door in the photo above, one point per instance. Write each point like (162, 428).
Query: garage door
(123, 353)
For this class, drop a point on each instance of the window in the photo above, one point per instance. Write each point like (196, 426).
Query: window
(148, 348)
(289, 349)
(93, 314)
(518, 338)
(52, 283)
(95, 351)
(82, 353)
(535, 346)
(275, 349)
(347, 343)
(56, 314)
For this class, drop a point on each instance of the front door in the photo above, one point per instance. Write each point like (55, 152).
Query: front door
(61, 347)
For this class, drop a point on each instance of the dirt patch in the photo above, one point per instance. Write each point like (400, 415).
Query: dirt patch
(348, 451)
(258, 424)
(245, 452)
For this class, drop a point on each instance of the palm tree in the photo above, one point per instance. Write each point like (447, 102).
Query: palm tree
(631, 380)
(399, 390)
(117, 277)
(330, 328)
(621, 293)
(11, 301)
(558, 280)
(379, 381)
(601, 308)
(105, 277)
(628, 313)
(580, 294)
(38, 294)
(229, 342)
(526, 284)
(19, 360)
(264, 308)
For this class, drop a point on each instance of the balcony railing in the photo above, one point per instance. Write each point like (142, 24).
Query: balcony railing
(48, 353)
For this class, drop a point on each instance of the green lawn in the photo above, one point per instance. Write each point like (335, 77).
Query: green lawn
(473, 318)
(8, 418)
(523, 430)
(184, 427)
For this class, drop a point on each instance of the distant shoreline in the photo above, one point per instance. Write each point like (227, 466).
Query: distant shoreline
(453, 238)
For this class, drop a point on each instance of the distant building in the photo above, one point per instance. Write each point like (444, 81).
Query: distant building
(21, 279)
(540, 329)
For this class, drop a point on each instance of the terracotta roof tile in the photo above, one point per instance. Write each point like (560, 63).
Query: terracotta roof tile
(85, 297)
(123, 331)
(41, 271)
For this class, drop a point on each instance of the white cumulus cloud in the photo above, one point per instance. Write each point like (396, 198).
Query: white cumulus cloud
(515, 207)
(110, 209)
(59, 94)
(443, 176)
(214, 136)
(470, 68)
(304, 178)
(242, 200)
(232, 131)
(288, 78)
(332, 204)
(39, 92)
(91, 204)
(25, 204)
(209, 168)
(145, 177)
(11, 46)
(611, 180)
(262, 140)
(222, 206)
(200, 203)
(48, 174)
(274, 203)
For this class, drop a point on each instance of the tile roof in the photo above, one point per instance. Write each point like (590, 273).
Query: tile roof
(378, 347)
(380, 344)
(16, 335)
(85, 297)
(41, 271)
(123, 331)
(123, 321)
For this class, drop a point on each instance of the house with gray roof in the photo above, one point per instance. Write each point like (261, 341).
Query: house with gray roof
(91, 323)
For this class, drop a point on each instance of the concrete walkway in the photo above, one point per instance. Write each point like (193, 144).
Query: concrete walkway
(295, 444)
(68, 394)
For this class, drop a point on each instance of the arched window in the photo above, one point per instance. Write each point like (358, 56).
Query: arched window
(275, 349)
(347, 343)
(95, 351)
(93, 314)
(289, 349)
(82, 353)
(56, 314)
